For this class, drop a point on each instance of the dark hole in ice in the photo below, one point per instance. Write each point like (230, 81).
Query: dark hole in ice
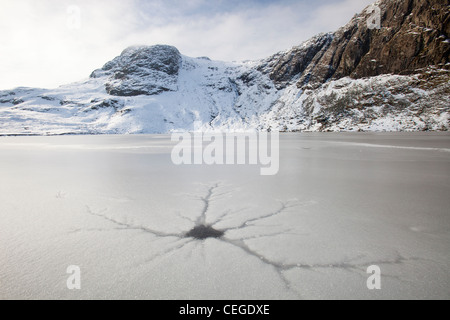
(204, 232)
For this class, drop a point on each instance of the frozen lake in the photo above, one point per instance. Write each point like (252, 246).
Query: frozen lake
(117, 207)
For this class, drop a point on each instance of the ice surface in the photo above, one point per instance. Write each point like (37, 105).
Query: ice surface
(117, 207)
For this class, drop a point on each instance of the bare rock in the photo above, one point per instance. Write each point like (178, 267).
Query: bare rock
(145, 70)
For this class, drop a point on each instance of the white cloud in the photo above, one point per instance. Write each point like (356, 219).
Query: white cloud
(334, 15)
(38, 47)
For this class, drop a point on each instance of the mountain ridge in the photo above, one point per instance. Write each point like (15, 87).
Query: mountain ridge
(355, 79)
(356, 51)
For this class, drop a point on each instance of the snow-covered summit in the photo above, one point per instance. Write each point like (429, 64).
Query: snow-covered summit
(141, 70)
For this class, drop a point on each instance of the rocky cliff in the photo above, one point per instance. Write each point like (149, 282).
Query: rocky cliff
(413, 35)
(142, 70)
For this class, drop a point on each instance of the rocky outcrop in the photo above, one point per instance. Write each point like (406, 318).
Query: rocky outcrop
(286, 66)
(144, 70)
(414, 34)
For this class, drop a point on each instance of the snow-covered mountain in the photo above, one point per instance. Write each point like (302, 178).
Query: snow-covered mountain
(392, 79)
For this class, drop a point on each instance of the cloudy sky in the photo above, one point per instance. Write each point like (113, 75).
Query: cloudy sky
(45, 43)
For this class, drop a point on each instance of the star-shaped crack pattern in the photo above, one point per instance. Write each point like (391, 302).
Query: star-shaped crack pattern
(202, 231)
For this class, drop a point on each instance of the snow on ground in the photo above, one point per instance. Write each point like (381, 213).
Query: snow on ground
(227, 96)
(206, 92)
(119, 209)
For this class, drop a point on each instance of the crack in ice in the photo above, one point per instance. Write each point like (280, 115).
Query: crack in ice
(203, 231)
(206, 202)
(247, 223)
(128, 226)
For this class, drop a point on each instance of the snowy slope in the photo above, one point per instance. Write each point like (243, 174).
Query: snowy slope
(210, 92)
(173, 94)
(383, 103)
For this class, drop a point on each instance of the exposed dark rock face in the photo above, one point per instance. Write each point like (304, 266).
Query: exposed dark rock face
(414, 34)
(142, 71)
(286, 66)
